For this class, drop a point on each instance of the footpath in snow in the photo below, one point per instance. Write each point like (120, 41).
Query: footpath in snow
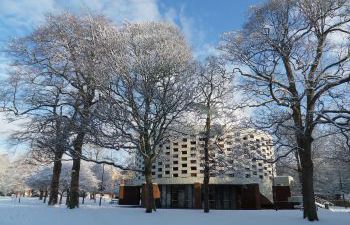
(31, 211)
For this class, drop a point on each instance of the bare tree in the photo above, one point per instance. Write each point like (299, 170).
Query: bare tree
(214, 92)
(69, 49)
(293, 55)
(149, 88)
(32, 94)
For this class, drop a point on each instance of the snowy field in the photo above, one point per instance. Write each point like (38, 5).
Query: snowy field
(31, 211)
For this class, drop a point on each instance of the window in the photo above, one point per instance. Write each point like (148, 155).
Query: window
(175, 143)
(184, 171)
(159, 175)
(176, 162)
(184, 139)
(184, 152)
(193, 142)
(193, 168)
(176, 156)
(184, 165)
(153, 167)
(153, 173)
(193, 148)
(247, 175)
(159, 169)
(176, 149)
(175, 168)
(160, 163)
(167, 166)
(167, 172)
(193, 155)
(183, 146)
(193, 174)
(261, 177)
(193, 161)
(175, 175)
(184, 158)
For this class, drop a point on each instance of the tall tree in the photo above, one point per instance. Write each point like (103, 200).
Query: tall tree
(214, 92)
(149, 88)
(293, 57)
(34, 95)
(71, 48)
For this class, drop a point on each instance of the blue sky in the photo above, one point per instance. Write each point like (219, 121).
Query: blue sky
(202, 22)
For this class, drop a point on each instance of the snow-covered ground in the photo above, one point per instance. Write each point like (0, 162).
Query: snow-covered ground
(32, 212)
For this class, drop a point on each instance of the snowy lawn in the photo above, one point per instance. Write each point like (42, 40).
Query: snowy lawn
(32, 212)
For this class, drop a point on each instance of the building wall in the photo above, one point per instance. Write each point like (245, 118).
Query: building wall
(181, 161)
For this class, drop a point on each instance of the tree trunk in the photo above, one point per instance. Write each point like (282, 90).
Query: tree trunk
(61, 196)
(83, 201)
(45, 196)
(74, 184)
(149, 200)
(206, 162)
(67, 199)
(310, 210)
(100, 202)
(55, 180)
(41, 194)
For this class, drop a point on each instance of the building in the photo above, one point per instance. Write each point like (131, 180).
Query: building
(244, 181)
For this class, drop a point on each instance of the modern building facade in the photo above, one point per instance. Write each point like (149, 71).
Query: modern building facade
(241, 176)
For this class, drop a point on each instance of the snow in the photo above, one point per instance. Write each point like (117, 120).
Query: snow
(31, 211)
